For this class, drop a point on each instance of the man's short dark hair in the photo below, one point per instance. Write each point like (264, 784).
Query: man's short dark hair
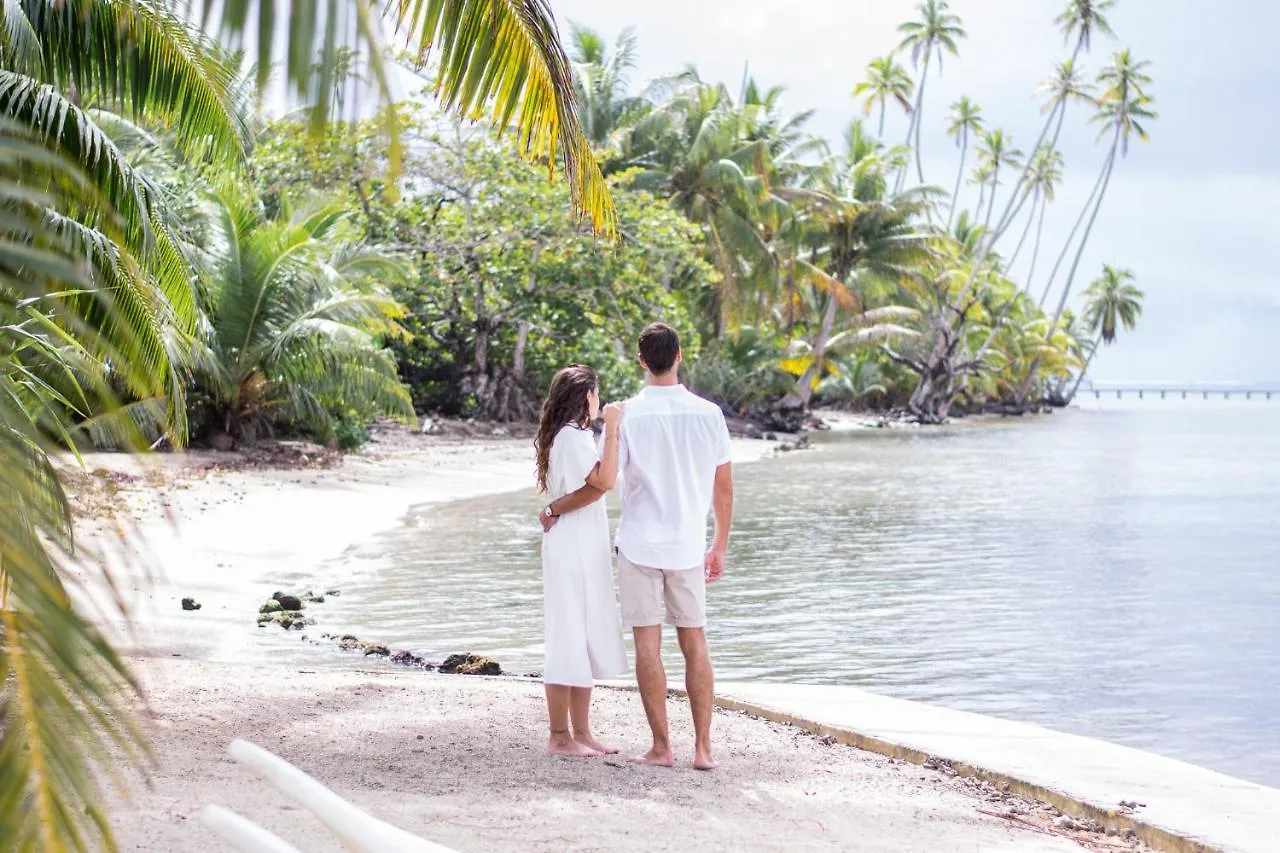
(659, 346)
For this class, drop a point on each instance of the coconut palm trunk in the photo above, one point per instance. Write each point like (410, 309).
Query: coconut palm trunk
(1066, 249)
(955, 196)
(1035, 248)
(803, 391)
(1075, 265)
(913, 130)
(1026, 231)
(1083, 371)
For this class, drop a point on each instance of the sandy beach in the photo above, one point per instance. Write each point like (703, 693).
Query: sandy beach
(454, 759)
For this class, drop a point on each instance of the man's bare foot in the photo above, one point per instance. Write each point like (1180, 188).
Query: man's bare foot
(588, 740)
(567, 746)
(702, 760)
(656, 757)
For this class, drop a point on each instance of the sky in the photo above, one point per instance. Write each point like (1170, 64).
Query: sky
(1194, 213)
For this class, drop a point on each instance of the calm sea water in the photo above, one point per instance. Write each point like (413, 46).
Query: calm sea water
(1113, 572)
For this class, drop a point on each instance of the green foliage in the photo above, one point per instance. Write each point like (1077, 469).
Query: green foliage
(65, 315)
(742, 370)
(505, 284)
(291, 325)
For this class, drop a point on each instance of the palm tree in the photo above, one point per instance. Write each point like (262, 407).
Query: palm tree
(700, 161)
(601, 83)
(1046, 174)
(936, 33)
(966, 121)
(1066, 85)
(886, 81)
(95, 289)
(996, 151)
(503, 57)
(857, 239)
(781, 141)
(1046, 171)
(73, 312)
(1080, 20)
(292, 320)
(1123, 107)
(1111, 302)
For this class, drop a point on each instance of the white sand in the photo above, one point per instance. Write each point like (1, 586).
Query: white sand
(476, 780)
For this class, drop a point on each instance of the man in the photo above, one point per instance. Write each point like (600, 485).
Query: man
(674, 458)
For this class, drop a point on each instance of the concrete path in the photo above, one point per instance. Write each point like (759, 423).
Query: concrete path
(1182, 807)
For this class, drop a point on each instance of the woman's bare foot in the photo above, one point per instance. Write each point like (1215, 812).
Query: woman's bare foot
(702, 760)
(588, 740)
(562, 744)
(656, 757)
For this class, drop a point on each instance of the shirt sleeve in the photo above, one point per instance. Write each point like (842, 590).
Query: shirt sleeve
(622, 446)
(577, 457)
(724, 450)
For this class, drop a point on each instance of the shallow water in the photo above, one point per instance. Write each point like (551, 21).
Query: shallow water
(1113, 572)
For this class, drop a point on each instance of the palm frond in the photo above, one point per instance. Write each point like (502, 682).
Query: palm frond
(139, 57)
(64, 715)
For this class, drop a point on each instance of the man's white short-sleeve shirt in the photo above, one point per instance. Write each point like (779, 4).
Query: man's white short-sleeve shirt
(670, 444)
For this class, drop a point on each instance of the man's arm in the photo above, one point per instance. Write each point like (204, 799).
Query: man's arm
(722, 506)
(605, 474)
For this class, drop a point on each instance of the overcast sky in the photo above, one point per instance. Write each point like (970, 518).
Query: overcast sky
(1195, 213)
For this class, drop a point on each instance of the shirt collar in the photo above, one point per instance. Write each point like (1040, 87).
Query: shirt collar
(664, 389)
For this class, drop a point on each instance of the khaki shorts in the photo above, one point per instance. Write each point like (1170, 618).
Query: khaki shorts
(646, 594)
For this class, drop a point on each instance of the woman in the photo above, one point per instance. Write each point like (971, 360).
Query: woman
(582, 627)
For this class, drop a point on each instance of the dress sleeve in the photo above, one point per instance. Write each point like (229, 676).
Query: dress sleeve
(577, 451)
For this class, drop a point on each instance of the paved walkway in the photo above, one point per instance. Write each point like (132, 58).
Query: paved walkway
(1183, 807)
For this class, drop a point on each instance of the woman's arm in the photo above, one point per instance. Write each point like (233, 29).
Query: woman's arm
(599, 481)
(585, 495)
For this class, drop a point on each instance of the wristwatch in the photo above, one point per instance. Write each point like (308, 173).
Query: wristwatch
(548, 513)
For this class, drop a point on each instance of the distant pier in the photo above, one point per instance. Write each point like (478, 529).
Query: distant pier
(1184, 393)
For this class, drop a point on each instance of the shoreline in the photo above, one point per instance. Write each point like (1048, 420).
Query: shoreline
(242, 532)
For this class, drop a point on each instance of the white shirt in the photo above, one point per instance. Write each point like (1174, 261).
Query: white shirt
(669, 446)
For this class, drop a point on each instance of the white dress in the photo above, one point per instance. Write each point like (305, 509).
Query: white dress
(583, 629)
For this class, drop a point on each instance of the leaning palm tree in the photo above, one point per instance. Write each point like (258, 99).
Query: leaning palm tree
(600, 78)
(1064, 87)
(292, 320)
(1080, 20)
(886, 81)
(966, 122)
(996, 152)
(857, 239)
(1112, 302)
(936, 33)
(1123, 108)
(1046, 174)
(503, 57)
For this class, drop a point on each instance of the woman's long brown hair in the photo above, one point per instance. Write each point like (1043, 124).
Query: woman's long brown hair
(566, 403)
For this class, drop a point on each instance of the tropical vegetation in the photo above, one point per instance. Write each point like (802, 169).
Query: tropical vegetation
(176, 268)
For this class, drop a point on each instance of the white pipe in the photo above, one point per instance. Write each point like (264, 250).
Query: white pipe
(241, 834)
(359, 832)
